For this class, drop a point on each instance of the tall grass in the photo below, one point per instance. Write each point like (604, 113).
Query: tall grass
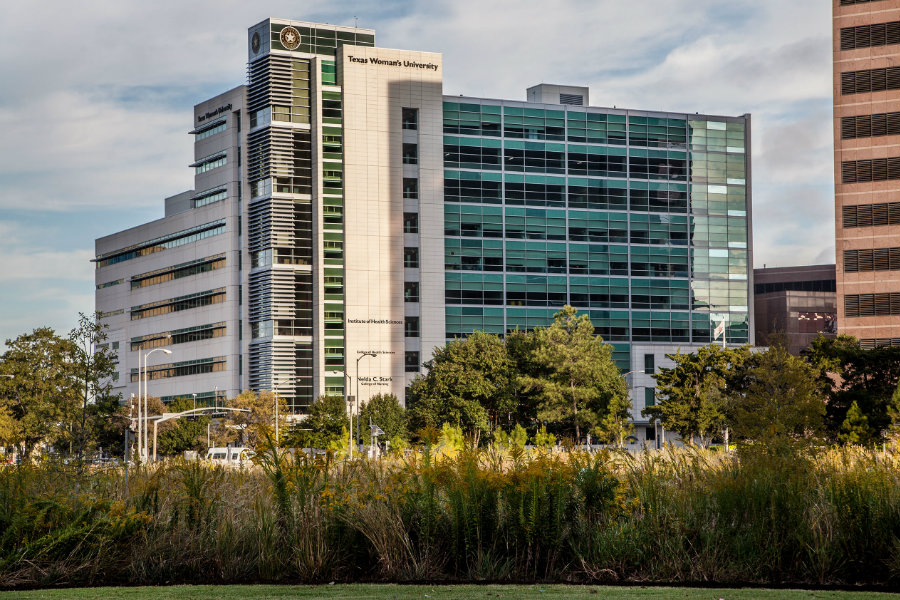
(676, 515)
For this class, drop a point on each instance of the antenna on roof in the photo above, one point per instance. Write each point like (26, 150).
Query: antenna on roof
(355, 22)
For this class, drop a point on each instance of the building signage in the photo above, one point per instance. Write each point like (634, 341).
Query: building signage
(376, 381)
(213, 113)
(409, 64)
(374, 322)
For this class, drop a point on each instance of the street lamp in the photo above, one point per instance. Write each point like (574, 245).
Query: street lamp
(147, 399)
(359, 358)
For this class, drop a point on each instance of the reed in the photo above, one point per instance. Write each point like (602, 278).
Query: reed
(496, 514)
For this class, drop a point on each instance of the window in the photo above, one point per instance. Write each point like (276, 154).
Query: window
(411, 291)
(410, 223)
(872, 259)
(195, 267)
(872, 215)
(208, 164)
(412, 362)
(872, 305)
(210, 131)
(172, 240)
(163, 307)
(871, 80)
(410, 118)
(649, 364)
(863, 126)
(411, 258)
(870, 36)
(410, 154)
(649, 396)
(411, 327)
(410, 187)
(875, 169)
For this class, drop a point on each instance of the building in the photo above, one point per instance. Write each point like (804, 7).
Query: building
(866, 38)
(794, 303)
(367, 218)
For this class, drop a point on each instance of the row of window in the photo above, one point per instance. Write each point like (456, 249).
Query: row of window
(874, 169)
(209, 198)
(194, 267)
(210, 131)
(872, 259)
(870, 80)
(182, 369)
(864, 126)
(870, 36)
(819, 285)
(871, 215)
(162, 307)
(172, 240)
(208, 164)
(872, 305)
(178, 336)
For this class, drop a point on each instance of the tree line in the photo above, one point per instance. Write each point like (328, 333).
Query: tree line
(554, 382)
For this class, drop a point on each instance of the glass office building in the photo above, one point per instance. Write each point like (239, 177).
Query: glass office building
(370, 218)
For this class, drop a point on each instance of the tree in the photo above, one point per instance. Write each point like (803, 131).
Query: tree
(851, 374)
(576, 378)
(385, 411)
(40, 401)
(255, 427)
(327, 422)
(781, 404)
(93, 365)
(616, 424)
(855, 428)
(186, 433)
(469, 383)
(692, 399)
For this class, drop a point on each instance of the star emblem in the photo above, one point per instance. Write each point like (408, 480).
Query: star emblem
(290, 38)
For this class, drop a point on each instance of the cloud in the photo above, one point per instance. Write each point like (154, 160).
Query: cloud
(94, 123)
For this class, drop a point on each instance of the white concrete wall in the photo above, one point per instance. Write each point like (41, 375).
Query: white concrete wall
(374, 95)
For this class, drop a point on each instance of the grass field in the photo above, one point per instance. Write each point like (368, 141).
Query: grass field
(449, 592)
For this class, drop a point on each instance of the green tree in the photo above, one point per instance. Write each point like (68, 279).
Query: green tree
(185, 433)
(575, 380)
(93, 365)
(41, 399)
(851, 374)
(384, 410)
(326, 423)
(616, 424)
(691, 398)
(781, 403)
(894, 413)
(469, 383)
(855, 428)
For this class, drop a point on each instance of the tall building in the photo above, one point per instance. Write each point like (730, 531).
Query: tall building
(866, 38)
(795, 304)
(366, 219)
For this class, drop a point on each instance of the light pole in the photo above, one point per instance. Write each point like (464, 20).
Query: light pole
(147, 398)
(359, 358)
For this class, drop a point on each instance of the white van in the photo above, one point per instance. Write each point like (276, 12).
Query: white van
(231, 457)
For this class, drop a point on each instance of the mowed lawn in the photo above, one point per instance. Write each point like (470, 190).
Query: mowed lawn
(449, 592)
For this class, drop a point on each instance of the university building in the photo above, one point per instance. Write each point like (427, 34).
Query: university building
(866, 40)
(347, 218)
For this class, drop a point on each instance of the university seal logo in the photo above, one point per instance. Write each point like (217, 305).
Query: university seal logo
(290, 38)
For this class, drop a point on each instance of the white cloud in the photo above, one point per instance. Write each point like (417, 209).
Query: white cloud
(96, 121)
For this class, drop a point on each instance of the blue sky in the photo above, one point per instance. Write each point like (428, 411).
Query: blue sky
(96, 100)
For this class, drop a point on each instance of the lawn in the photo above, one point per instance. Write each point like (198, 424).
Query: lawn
(449, 592)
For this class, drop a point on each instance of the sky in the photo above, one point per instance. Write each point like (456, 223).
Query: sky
(96, 99)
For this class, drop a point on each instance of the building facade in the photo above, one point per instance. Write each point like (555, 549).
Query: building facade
(371, 219)
(794, 304)
(866, 39)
